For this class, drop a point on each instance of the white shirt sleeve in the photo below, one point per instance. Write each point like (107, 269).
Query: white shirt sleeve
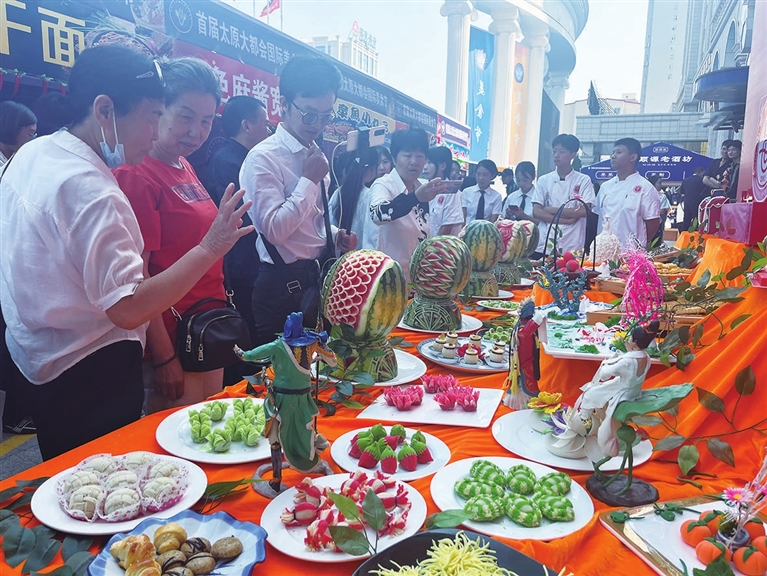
(587, 192)
(650, 204)
(539, 193)
(110, 261)
(452, 211)
(274, 215)
(496, 204)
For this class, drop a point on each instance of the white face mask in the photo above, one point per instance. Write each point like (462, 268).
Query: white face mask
(116, 157)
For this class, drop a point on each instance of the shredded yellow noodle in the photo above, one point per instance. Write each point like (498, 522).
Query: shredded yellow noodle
(460, 557)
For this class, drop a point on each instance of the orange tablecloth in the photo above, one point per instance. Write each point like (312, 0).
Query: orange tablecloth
(590, 552)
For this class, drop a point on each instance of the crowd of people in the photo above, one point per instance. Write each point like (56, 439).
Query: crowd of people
(109, 236)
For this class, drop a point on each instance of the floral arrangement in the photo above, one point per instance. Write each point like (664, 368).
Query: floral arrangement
(327, 514)
(643, 296)
(433, 383)
(403, 399)
(546, 402)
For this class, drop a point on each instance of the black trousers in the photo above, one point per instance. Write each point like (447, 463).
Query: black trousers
(242, 299)
(280, 290)
(99, 394)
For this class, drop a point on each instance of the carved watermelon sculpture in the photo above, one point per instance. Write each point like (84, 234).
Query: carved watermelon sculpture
(485, 245)
(366, 291)
(520, 239)
(439, 269)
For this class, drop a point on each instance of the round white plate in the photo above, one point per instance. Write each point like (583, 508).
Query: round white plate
(446, 499)
(290, 539)
(409, 368)
(174, 435)
(439, 452)
(481, 367)
(46, 508)
(468, 324)
(514, 433)
(502, 295)
(493, 305)
(210, 526)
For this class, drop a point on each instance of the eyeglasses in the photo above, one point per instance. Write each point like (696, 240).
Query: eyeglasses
(152, 73)
(312, 117)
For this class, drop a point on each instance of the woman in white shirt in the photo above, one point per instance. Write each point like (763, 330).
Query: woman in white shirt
(72, 286)
(519, 204)
(446, 210)
(18, 125)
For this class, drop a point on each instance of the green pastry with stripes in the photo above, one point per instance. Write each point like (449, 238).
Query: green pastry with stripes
(522, 510)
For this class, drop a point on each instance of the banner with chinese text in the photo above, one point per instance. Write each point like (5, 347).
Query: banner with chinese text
(481, 51)
(455, 136)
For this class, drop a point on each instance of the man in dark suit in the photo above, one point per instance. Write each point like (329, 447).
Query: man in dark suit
(693, 190)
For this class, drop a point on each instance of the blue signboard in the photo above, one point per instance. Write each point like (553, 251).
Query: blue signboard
(481, 50)
(670, 162)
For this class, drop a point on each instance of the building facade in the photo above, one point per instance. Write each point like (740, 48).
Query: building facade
(709, 97)
(663, 54)
(548, 31)
(358, 51)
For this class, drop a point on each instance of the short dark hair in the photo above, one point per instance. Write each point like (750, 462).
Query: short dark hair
(440, 155)
(526, 168)
(52, 112)
(383, 152)
(507, 172)
(632, 145)
(410, 140)
(726, 143)
(488, 165)
(128, 77)
(236, 110)
(14, 117)
(655, 178)
(310, 77)
(736, 144)
(184, 75)
(567, 141)
(699, 170)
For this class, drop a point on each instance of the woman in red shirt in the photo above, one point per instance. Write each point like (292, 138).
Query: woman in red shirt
(174, 210)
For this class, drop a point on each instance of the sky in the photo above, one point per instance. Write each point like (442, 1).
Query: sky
(412, 40)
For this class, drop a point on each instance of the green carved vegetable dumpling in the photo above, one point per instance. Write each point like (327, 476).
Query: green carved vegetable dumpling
(484, 508)
(469, 487)
(555, 482)
(521, 479)
(522, 510)
(486, 471)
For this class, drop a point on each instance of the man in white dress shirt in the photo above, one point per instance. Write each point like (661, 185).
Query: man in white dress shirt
(284, 176)
(481, 202)
(399, 203)
(560, 187)
(628, 199)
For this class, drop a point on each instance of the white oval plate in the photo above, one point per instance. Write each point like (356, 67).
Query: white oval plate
(481, 367)
(175, 438)
(502, 295)
(290, 539)
(446, 499)
(493, 305)
(409, 368)
(468, 324)
(514, 433)
(210, 526)
(439, 452)
(46, 507)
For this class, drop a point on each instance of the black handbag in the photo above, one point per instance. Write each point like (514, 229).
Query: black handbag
(205, 340)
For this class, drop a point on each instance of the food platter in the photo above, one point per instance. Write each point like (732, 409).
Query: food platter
(468, 324)
(499, 305)
(409, 368)
(173, 434)
(414, 549)
(290, 539)
(446, 499)
(429, 411)
(210, 526)
(339, 450)
(515, 434)
(502, 295)
(658, 542)
(485, 366)
(46, 508)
